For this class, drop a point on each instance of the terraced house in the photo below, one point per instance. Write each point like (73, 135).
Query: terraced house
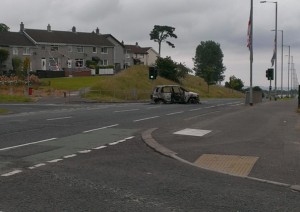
(57, 50)
(69, 50)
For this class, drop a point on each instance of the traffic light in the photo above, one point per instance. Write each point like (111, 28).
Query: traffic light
(270, 74)
(152, 73)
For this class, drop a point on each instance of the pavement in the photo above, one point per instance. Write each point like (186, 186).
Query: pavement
(259, 143)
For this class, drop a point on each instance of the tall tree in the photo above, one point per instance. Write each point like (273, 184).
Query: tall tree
(3, 28)
(160, 34)
(208, 62)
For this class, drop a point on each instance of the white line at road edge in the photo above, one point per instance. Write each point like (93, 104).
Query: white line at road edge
(175, 113)
(101, 128)
(27, 144)
(144, 119)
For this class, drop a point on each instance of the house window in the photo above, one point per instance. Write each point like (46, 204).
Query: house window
(70, 49)
(15, 51)
(94, 49)
(54, 48)
(26, 51)
(78, 63)
(104, 62)
(80, 49)
(104, 50)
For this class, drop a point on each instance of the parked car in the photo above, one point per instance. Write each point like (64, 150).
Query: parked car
(173, 94)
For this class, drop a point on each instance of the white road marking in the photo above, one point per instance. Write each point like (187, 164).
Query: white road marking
(100, 147)
(101, 128)
(149, 108)
(54, 161)
(131, 137)
(144, 119)
(69, 156)
(59, 118)
(196, 109)
(122, 111)
(84, 151)
(11, 173)
(37, 166)
(175, 113)
(27, 144)
(192, 132)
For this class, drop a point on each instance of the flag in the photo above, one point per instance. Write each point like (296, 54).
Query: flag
(274, 54)
(249, 33)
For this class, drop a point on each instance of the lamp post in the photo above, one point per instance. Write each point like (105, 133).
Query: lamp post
(289, 57)
(281, 61)
(274, 2)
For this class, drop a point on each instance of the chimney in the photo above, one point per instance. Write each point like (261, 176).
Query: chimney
(73, 29)
(21, 27)
(49, 28)
(97, 31)
(137, 44)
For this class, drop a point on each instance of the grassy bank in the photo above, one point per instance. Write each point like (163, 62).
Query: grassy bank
(4, 98)
(130, 84)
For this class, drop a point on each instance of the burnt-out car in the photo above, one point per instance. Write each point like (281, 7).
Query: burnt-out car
(173, 94)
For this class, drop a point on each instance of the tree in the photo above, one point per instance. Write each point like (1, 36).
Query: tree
(208, 62)
(17, 65)
(234, 83)
(160, 34)
(3, 57)
(3, 28)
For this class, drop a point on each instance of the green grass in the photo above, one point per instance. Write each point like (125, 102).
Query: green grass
(133, 84)
(4, 98)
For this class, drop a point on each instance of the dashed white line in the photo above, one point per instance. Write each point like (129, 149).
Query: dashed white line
(11, 173)
(27, 144)
(37, 166)
(100, 147)
(59, 118)
(101, 128)
(144, 119)
(196, 109)
(54, 161)
(122, 111)
(69, 156)
(84, 151)
(175, 113)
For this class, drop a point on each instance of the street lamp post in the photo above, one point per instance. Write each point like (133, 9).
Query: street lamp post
(281, 91)
(276, 4)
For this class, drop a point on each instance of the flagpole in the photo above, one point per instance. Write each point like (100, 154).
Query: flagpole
(251, 54)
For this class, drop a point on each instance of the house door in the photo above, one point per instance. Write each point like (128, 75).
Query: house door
(43, 64)
(69, 63)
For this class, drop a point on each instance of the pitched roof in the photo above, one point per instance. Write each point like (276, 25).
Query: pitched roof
(66, 37)
(14, 39)
(111, 36)
(135, 49)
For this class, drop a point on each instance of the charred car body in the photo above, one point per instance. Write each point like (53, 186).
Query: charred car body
(173, 94)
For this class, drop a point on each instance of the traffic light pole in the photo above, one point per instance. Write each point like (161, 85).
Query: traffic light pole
(270, 89)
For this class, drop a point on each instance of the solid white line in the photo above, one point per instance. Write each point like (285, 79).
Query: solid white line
(37, 165)
(11, 173)
(121, 111)
(175, 113)
(60, 118)
(101, 128)
(54, 161)
(144, 119)
(27, 144)
(131, 137)
(69, 156)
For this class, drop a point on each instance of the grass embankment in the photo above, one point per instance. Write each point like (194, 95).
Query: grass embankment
(5, 98)
(134, 84)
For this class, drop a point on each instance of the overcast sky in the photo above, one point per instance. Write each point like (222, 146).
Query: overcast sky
(223, 21)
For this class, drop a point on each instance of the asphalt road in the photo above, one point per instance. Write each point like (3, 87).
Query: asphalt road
(93, 158)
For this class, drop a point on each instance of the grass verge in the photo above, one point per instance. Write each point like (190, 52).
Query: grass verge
(4, 98)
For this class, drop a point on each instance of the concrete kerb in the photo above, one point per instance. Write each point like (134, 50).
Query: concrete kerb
(152, 143)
